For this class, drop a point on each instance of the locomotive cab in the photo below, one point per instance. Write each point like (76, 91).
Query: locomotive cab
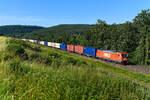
(124, 58)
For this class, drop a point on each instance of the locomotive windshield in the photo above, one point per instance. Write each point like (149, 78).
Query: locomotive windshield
(124, 55)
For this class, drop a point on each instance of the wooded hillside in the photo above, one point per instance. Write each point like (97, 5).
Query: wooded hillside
(18, 30)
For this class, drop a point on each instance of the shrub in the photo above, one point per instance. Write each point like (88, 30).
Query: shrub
(33, 56)
(6, 56)
(47, 60)
(19, 42)
(40, 58)
(81, 63)
(36, 48)
(16, 49)
(54, 55)
(15, 66)
(69, 60)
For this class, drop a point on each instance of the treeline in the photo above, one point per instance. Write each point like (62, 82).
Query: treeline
(60, 32)
(132, 37)
(18, 30)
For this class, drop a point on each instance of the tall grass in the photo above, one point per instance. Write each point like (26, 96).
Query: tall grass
(71, 82)
(3, 41)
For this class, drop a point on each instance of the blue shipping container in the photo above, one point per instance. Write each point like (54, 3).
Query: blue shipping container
(45, 43)
(90, 51)
(63, 46)
(36, 41)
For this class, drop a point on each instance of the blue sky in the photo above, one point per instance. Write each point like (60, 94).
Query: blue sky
(54, 12)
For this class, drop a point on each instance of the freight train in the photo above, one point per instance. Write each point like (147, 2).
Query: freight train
(109, 55)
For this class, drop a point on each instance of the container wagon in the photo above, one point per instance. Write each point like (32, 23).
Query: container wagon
(42, 42)
(71, 48)
(89, 51)
(53, 45)
(63, 46)
(49, 44)
(79, 49)
(27, 40)
(37, 41)
(32, 41)
(23, 39)
(45, 43)
(57, 45)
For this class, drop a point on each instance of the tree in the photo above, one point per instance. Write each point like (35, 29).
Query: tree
(142, 21)
(96, 36)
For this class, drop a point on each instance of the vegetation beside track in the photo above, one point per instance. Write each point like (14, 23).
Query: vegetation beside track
(30, 71)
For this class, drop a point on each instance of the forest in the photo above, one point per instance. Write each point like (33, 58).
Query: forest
(132, 37)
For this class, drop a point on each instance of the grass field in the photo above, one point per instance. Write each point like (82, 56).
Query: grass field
(33, 72)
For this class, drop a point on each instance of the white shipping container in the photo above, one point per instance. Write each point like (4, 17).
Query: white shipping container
(30, 40)
(23, 39)
(42, 42)
(52, 44)
(49, 44)
(57, 45)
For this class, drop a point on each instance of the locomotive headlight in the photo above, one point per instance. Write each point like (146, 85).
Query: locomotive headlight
(124, 58)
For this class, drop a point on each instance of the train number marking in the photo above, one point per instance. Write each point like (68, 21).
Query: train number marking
(107, 55)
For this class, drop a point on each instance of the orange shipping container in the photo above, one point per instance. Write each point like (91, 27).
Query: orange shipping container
(70, 48)
(79, 49)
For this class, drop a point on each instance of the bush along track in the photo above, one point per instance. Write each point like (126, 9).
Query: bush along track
(31, 71)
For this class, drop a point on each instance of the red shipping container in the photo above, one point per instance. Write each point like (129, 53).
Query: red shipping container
(79, 49)
(70, 48)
